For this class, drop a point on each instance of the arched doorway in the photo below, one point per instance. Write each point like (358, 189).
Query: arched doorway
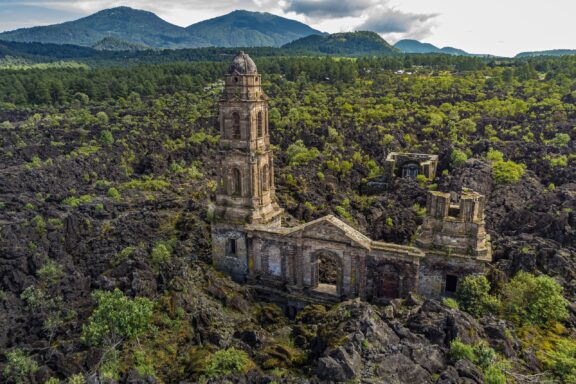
(387, 282)
(327, 272)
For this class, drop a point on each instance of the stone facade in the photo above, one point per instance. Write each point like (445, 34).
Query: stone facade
(325, 260)
(410, 165)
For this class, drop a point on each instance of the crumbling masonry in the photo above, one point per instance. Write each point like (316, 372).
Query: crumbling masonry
(325, 260)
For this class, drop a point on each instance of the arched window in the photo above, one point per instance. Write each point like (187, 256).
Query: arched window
(265, 177)
(236, 182)
(235, 125)
(260, 124)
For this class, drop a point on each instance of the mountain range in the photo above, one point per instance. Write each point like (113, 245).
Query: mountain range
(345, 44)
(415, 46)
(132, 26)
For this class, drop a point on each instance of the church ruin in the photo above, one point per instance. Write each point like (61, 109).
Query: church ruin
(325, 260)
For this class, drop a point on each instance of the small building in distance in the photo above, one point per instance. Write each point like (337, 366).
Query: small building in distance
(326, 260)
(410, 165)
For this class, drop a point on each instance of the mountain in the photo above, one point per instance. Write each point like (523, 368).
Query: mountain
(250, 29)
(114, 44)
(415, 46)
(553, 52)
(345, 44)
(131, 25)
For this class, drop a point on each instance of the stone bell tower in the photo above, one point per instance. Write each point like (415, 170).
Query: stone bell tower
(245, 193)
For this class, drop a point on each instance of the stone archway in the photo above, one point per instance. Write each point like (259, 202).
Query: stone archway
(327, 272)
(387, 282)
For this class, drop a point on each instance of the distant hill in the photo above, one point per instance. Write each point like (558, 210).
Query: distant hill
(415, 46)
(114, 44)
(107, 28)
(345, 44)
(250, 29)
(554, 52)
(131, 25)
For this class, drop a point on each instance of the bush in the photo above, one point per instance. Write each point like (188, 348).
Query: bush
(106, 137)
(50, 273)
(538, 300)
(19, 366)
(474, 297)
(450, 303)
(507, 172)
(561, 360)
(457, 158)
(460, 351)
(117, 318)
(298, 153)
(114, 194)
(161, 253)
(494, 155)
(226, 362)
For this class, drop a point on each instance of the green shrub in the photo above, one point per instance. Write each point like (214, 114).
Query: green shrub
(117, 318)
(457, 158)
(474, 297)
(494, 374)
(507, 172)
(450, 303)
(298, 153)
(34, 297)
(74, 201)
(460, 351)
(40, 224)
(122, 256)
(50, 273)
(76, 379)
(561, 360)
(114, 194)
(227, 361)
(19, 366)
(145, 184)
(494, 155)
(538, 300)
(106, 137)
(161, 253)
(52, 380)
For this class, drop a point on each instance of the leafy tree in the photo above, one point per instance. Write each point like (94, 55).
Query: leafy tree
(106, 137)
(474, 297)
(117, 318)
(534, 300)
(494, 155)
(19, 366)
(298, 153)
(507, 172)
(458, 158)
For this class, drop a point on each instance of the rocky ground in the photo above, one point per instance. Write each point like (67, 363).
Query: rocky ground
(56, 205)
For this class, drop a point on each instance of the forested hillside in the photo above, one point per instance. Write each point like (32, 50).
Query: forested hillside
(106, 178)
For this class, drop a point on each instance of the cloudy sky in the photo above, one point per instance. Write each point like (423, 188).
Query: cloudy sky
(501, 27)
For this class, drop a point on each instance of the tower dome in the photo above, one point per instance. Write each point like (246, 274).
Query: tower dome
(242, 64)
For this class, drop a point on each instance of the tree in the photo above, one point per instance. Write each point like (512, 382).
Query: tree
(507, 172)
(458, 158)
(19, 366)
(534, 300)
(474, 297)
(117, 318)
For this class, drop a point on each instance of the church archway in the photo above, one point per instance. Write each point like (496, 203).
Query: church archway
(387, 282)
(327, 272)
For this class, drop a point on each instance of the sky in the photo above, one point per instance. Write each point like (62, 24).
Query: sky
(498, 27)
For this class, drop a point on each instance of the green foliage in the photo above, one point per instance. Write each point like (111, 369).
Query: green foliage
(450, 303)
(122, 256)
(52, 380)
(106, 137)
(561, 360)
(538, 300)
(457, 158)
(298, 154)
(494, 155)
(117, 318)
(102, 119)
(74, 201)
(161, 253)
(76, 379)
(113, 193)
(34, 297)
(560, 140)
(507, 172)
(40, 224)
(50, 273)
(473, 295)
(19, 366)
(461, 351)
(227, 361)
